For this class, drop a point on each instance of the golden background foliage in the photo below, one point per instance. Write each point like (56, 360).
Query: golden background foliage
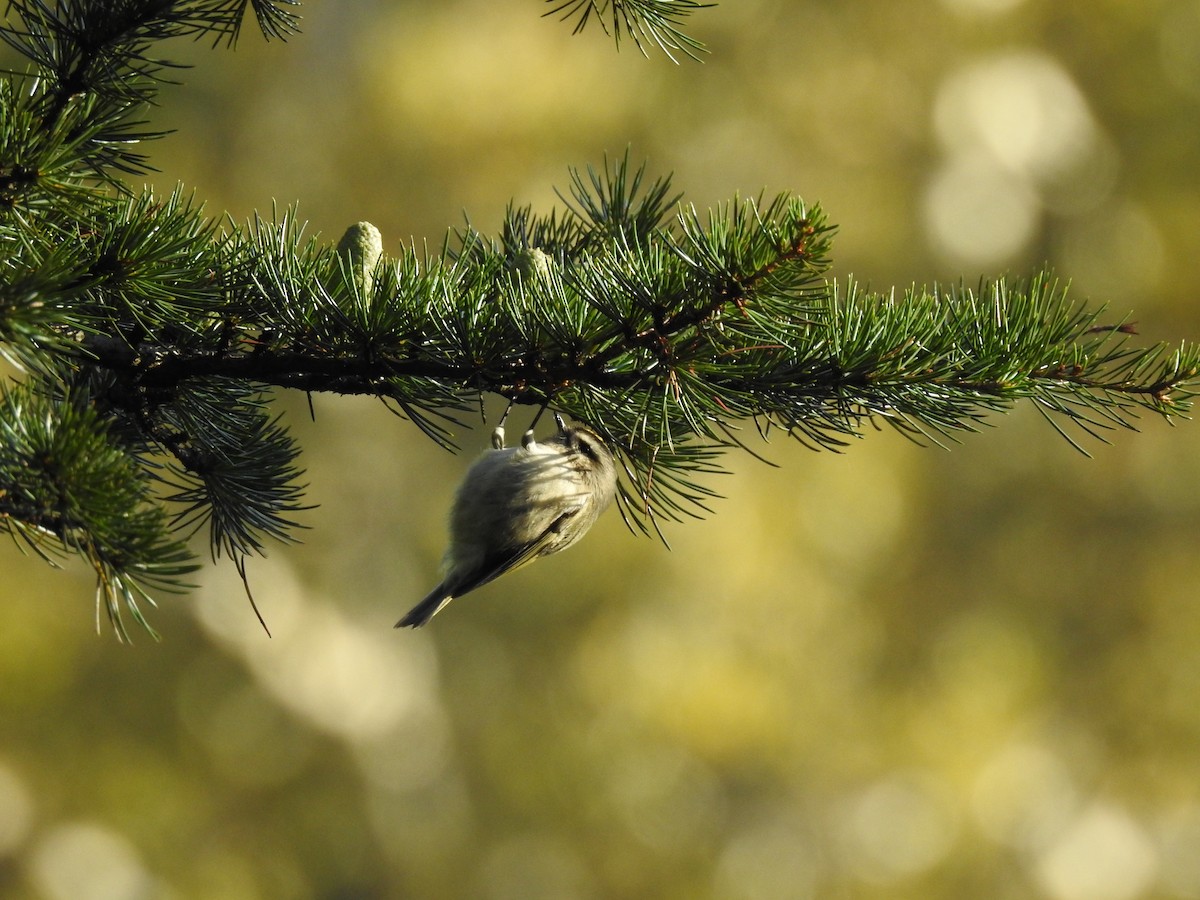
(894, 672)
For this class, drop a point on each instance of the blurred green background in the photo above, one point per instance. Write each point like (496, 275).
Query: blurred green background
(896, 672)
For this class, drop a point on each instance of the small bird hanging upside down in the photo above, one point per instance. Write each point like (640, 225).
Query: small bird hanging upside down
(520, 503)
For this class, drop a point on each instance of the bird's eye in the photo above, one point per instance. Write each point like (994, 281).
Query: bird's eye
(588, 450)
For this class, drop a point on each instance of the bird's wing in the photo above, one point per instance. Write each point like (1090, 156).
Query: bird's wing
(493, 566)
(496, 564)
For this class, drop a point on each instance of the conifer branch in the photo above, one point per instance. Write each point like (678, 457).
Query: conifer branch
(657, 22)
(150, 336)
(666, 347)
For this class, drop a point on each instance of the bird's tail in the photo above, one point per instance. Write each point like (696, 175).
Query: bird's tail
(426, 609)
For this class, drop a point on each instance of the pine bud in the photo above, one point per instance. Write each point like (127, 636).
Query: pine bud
(535, 264)
(360, 249)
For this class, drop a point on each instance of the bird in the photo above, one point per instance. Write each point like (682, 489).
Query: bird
(517, 504)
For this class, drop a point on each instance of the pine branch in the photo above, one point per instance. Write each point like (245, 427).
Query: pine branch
(657, 22)
(668, 348)
(68, 485)
(77, 464)
(94, 71)
(150, 336)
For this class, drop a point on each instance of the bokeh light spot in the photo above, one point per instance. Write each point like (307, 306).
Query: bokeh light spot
(1179, 840)
(1023, 795)
(773, 860)
(86, 860)
(16, 811)
(1023, 109)
(345, 676)
(1103, 855)
(979, 214)
(896, 827)
(982, 7)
